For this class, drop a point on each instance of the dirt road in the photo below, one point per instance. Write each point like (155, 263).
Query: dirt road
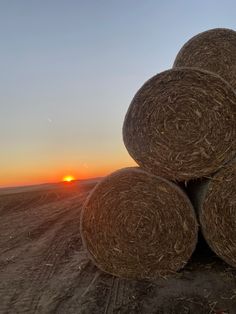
(44, 269)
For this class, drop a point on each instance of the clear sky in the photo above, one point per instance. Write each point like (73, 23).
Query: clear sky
(68, 71)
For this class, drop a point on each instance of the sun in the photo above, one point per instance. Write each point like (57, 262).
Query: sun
(68, 178)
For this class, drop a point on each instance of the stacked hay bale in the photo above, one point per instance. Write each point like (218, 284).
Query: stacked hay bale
(217, 213)
(215, 201)
(180, 126)
(137, 225)
(215, 51)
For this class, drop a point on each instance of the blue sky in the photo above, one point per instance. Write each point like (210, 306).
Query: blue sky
(69, 69)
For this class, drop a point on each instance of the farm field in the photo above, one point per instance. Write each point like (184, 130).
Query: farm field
(44, 268)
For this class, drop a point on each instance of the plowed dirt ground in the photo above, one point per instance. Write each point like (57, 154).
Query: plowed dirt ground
(44, 268)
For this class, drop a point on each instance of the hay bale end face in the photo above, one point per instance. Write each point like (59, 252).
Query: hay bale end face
(136, 225)
(181, 124)
(217, 213)
(213, 50)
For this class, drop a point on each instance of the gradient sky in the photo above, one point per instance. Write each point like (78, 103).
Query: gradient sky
(68, 71)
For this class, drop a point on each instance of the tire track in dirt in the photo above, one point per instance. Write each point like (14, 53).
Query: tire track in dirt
(39, 217)
(47, 252)
(116, 294)
(61, 293)
(81, 293)
(52, 258)
(30, 233)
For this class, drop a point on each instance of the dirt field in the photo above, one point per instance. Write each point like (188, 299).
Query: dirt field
(44, 269)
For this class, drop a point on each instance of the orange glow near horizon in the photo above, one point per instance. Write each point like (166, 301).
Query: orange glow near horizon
(68, 178)
(55, 171)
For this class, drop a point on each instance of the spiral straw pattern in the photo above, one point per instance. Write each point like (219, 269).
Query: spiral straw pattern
(181, 124)
(213, 50)
(217, 213)
(137, 225)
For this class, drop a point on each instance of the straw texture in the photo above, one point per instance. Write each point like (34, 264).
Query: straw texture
(136, 225)
(181, 124)
(213, 50)
(217, 213)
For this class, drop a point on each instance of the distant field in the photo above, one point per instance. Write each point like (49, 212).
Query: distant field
(44, 269)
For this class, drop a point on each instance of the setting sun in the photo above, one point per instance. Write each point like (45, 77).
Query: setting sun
(68, 178)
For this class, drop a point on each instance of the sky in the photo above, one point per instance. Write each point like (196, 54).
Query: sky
(69, 70)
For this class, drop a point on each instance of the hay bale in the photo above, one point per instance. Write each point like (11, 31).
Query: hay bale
(181, 124)
(213, 50)
(215, 201)
(136, 225)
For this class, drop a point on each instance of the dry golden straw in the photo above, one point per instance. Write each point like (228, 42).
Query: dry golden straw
(217, 212)
(181, 124)
(213, 50)
(137, 225)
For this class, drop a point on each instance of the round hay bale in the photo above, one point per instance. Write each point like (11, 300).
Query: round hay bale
(217, 212)
(137, 225)
(181, 124)
(213, 50)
